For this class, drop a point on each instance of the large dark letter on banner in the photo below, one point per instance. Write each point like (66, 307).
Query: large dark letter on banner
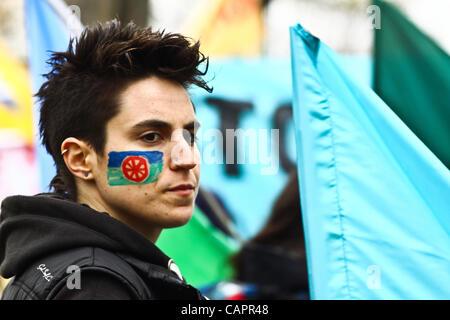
(281, 117)
(229, 112)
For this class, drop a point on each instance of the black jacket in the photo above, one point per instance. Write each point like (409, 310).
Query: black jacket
(44, 236)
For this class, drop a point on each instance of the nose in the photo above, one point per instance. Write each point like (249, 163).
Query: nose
(183, 155)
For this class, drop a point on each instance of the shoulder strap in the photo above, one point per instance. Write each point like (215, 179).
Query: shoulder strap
(108, 262)
(45, 278)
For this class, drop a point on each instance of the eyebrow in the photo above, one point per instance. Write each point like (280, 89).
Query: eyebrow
(162, 125)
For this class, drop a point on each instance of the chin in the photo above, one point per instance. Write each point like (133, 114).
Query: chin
(178, 217)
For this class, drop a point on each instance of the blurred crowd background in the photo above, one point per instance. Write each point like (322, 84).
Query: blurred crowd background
(342, 24)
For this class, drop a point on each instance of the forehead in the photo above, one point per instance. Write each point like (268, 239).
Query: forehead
(154, 98)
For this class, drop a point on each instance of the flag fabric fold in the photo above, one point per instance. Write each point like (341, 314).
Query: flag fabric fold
(374, 198)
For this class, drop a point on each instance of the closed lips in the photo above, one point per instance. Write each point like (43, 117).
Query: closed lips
(182, 187)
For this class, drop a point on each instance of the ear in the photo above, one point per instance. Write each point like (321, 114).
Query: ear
(78, 156)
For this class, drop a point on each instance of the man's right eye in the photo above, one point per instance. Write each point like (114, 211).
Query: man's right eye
(151, 137)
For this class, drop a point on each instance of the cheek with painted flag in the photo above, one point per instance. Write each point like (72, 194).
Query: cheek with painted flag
(134, 167)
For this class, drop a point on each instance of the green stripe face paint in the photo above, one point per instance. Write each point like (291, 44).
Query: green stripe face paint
(134, 167)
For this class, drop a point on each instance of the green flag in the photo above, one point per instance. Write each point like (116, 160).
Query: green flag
(200, 250)
(412, 75)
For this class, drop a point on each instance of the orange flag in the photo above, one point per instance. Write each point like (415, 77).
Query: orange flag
(227, 27)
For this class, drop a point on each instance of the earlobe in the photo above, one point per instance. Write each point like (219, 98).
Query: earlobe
(76, 154)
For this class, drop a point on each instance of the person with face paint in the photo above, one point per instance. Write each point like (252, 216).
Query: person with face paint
(118, 121)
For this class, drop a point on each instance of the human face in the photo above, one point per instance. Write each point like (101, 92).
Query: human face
(155, 115)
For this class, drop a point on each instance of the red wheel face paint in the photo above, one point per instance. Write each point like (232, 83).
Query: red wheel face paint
(135, 168)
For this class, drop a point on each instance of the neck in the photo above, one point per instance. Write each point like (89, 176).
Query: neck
(89, 196)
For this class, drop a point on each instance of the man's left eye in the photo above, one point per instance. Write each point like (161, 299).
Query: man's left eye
(190, 137)
(151, 137)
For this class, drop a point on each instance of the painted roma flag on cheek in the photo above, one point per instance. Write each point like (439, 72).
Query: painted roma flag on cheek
(134, 167)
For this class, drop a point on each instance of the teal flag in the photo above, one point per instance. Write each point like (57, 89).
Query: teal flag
(375, 200)
(412, 74)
